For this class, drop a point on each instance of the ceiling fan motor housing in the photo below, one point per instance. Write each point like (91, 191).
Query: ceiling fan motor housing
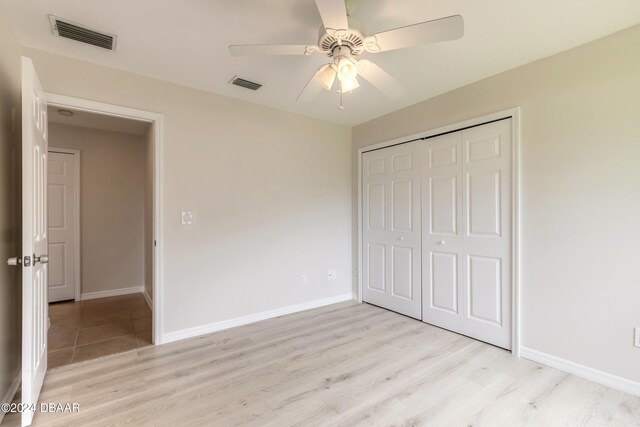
(331, 39)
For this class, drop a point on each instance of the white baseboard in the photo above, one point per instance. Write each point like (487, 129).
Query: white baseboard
(256, 317)
(148, 299)
(112, 293)
(591, 374)
(11, 392)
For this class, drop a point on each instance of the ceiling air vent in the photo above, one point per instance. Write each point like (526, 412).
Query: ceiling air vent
(74, 31)
(245, 83)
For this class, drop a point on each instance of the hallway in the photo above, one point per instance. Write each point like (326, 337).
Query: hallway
(83, 330)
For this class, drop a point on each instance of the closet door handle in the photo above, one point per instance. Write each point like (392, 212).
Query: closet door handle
(441, 242)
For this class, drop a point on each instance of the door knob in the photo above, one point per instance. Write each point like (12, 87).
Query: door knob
(401, 238)
(16, 260)
(42, 259)
(441, 242)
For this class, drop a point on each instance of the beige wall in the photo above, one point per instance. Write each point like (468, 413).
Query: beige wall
(148, 212)
(112, 181)
(271, 192)
(10, 232)
(580, 193)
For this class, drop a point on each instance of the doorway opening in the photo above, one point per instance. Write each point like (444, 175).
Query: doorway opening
(103, 212)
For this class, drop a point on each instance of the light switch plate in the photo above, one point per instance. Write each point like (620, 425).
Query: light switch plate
(187, 218)
(636, 336)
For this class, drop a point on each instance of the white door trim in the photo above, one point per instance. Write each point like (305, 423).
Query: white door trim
(156, 120)
(76, 182)
(514, 113)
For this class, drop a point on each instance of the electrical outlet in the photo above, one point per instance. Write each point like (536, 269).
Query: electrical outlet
(187, 218)
(304, 279)
(332, 275)
(636, 337)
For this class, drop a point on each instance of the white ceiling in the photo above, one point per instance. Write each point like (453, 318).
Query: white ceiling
(97, 121)
(186, 42)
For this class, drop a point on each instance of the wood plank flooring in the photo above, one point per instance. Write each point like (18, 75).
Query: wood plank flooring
(346, 364)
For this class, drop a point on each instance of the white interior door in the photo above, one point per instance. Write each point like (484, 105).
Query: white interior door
(466, 256)
(391, 273)
(442, 232)
(486, 250)
(34, 238)
(62, 218)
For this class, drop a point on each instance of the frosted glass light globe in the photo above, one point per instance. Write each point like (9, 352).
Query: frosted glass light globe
(347, 70)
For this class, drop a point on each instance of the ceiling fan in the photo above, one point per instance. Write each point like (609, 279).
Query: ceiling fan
(340, 40)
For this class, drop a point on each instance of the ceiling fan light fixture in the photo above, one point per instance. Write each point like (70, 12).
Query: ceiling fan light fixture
(348, 85)
(341, 38)
(327, 76)
(347, 70)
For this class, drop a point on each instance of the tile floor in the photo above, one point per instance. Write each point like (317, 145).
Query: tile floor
(83, 330)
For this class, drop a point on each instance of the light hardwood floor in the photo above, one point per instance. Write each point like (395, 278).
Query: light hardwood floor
(342, 365)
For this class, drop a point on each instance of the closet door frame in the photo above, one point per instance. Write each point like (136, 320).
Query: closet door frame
(514, 114)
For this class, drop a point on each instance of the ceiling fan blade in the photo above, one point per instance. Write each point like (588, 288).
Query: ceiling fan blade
(438, 30)
(333, 13)
(380, 79)
(313, 87)
(272, 49)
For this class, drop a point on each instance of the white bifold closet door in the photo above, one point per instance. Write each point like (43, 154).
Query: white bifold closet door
(466, 223)
(391, 273)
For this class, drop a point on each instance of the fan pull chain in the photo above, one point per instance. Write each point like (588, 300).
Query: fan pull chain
(341, 93)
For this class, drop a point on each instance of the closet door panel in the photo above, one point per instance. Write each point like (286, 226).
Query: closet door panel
(402, 205)
(487, 233)
(375, 267)
(444, 282)
(443, 194)
(375, 206)
(441, 234)
(402, 271)
(483, 203)
(485, 289)
(392, 232)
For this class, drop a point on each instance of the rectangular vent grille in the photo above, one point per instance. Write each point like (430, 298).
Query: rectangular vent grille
(245, 83)
(74, 31)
